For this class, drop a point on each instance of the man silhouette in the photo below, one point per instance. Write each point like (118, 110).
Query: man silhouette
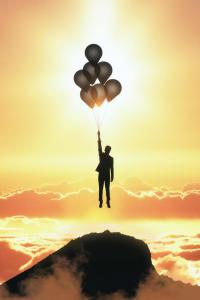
(106, 171)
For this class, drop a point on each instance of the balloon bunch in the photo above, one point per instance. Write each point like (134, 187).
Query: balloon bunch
(95, 94)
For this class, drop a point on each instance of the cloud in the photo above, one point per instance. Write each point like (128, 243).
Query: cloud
(156, 255)
(10, 261)
(33, 241)
(36, 211)
(39, 255)
(136, 185)
(125, 204)
(178, 268)
(29, 203)
(163, 288)
(15, 259)
(170, 259)
(45, 204)
(170, 204)
(165, 251)
(62, 187)
(191, 187)
(191, 247)
(68, 186)
(65, 283)
(62, 282)
(191, 255)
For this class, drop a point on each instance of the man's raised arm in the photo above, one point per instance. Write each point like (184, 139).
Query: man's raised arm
(99, 145)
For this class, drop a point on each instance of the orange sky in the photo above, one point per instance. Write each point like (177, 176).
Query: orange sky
(48, 136)
(153, 126)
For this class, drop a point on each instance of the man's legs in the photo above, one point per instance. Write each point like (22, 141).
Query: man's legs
(107, 185)
(101, 184)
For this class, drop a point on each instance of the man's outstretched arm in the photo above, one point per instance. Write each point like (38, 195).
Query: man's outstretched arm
(112, 170)
(99, 145)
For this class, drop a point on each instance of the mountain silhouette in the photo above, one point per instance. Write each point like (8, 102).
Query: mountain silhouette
(108, 262)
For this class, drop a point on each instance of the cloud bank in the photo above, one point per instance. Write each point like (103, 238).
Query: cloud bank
(65, 285)
(126, 204)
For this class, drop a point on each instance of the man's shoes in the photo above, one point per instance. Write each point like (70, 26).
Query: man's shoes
(100, 204)
(108, 204)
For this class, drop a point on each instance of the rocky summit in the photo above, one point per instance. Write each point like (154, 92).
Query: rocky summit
(107, 262)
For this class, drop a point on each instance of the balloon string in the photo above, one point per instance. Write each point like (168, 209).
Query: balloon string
(99, 115)
(96, 117)
(103, 112)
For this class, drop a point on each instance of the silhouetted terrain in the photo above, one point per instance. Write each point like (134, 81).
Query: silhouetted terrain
(108, 262)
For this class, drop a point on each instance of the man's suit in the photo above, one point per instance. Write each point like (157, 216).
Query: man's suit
(106, 172)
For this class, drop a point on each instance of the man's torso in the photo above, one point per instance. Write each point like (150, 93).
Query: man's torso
(105, 165)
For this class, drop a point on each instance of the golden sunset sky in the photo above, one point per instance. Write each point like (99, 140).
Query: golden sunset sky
(48, 134)
(48, 153)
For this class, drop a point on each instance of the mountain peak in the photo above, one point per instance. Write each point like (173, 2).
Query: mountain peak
(106, 262)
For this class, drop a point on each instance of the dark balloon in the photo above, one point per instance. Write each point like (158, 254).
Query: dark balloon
(113, 88)
(98, 93)
(104, 70)
(87, 97)
(90, 72)
(81, 80)
(93, 53)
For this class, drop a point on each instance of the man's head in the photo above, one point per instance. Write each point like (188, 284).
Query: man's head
(107, 149)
